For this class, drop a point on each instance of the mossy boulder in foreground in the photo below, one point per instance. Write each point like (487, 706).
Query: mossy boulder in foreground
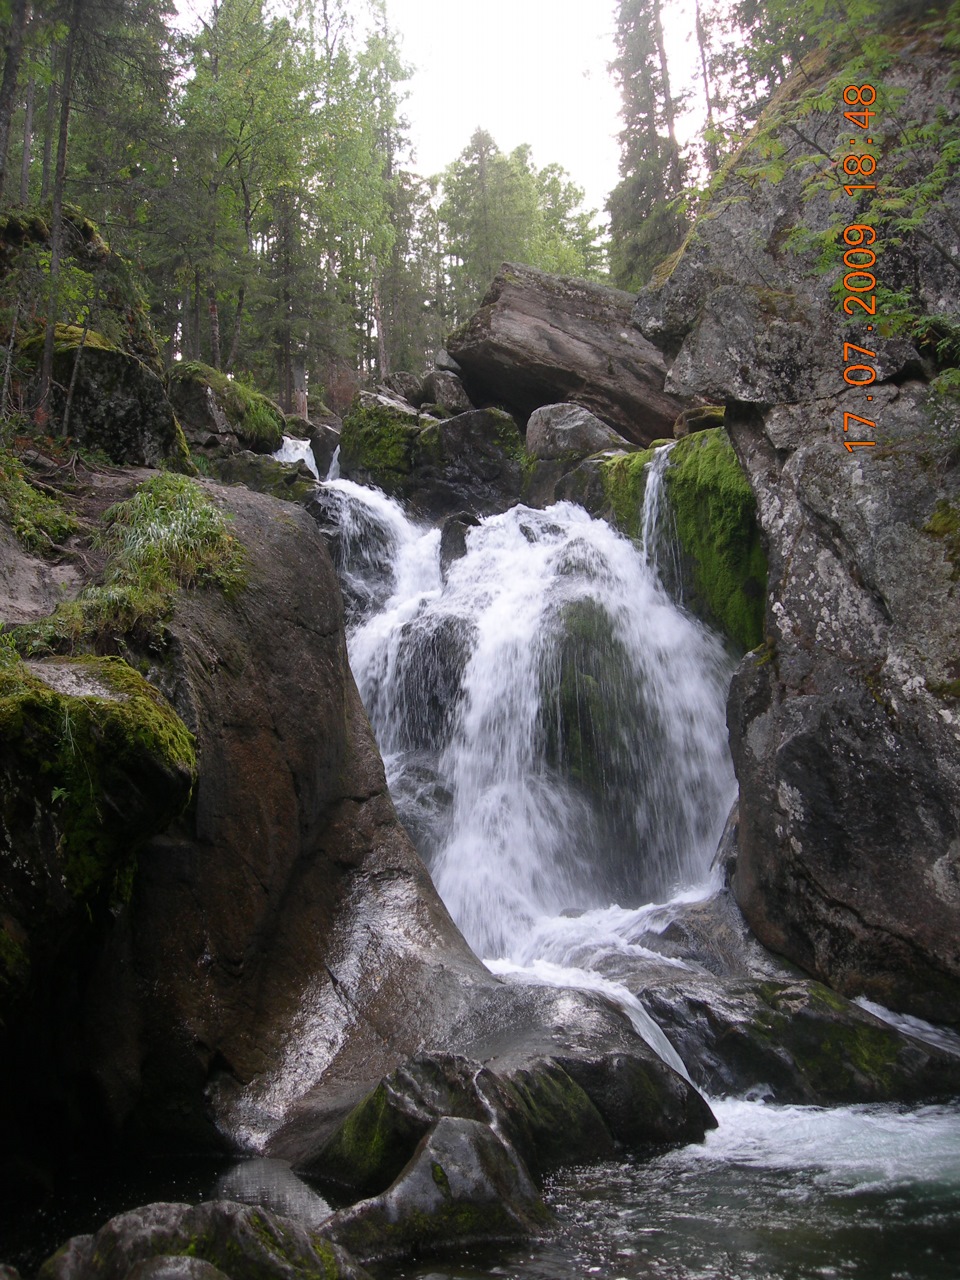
(215, 1239)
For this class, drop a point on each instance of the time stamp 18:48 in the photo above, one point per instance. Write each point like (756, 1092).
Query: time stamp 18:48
(859, 282)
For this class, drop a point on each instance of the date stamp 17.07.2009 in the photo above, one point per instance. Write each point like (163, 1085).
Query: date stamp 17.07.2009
(859, 256)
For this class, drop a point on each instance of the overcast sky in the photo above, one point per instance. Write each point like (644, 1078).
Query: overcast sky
(530, 71)
(527, 71)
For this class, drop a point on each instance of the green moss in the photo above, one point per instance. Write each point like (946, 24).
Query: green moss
(944, 688)
(371, 1146)
(112, 769)
(36, 518)
(944, 525)
(379, 443)
(715, 513)
(624, 483)
(257, 421)
(440, 1178)
(67, 337)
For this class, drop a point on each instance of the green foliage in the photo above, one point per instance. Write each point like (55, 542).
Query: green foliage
(168, 535)
(500, 208)
(38, 519)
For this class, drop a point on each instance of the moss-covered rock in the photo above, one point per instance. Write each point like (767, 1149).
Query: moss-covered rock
(463, 1186)
(473, 461)
(96, 750)
(118, 404)
(624, 481)
(219, 412)
(378, 445)
(100, 288)
(715, 514)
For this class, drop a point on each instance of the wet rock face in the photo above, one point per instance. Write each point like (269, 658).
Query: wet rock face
(845, 727)
(538, 339)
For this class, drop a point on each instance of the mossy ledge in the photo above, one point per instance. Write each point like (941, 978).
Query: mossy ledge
(257, 421)
(378, 443)
(93, 744)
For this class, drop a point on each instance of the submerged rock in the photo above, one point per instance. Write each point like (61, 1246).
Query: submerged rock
(538, 339)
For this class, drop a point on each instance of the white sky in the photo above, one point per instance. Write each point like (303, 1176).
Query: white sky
(527, 71)
(531, 71)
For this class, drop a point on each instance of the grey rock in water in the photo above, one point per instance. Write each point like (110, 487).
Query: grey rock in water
(845, 726)
(464, 1185)
(538, 339)
(202, 1242)
(558, 429)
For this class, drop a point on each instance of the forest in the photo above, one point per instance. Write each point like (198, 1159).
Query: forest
(255, 172)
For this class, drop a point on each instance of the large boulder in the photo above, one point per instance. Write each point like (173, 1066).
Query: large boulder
(220, 415)
(844, 724)
(118, 404)
(538, 339)
(470, 462)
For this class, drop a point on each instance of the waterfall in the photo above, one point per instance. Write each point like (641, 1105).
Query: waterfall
(552, 724)
(294, 450)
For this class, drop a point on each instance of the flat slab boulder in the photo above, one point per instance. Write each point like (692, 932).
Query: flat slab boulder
(538, 339)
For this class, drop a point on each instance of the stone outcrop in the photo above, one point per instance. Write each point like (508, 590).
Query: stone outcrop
(844, 726)
(220, 415)
(469, 462)
(538, 339)
(118, 404)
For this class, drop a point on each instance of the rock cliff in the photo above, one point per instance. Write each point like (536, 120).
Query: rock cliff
(844, 724)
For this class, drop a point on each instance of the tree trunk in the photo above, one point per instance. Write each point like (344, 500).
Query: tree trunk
(49, 122)
(713, 154)
(676, 177)
(214, 313)
(27, 142)
(197, 345)
(8, 85)
(56, 219)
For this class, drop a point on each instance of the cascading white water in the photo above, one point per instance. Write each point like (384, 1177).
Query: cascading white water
(552, 724)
